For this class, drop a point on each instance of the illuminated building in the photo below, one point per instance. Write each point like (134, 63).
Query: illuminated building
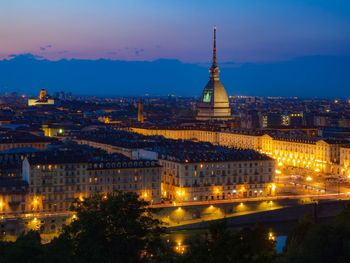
(52, 131)
(345, 161)
(14, 140)
(238, 139)
(296, 119)
(44, 99)
(214, 102)
(271, 119)
(57, 179)
(201, 172)
(193, 171)
(285, 120)
(315, 153)
(320, 155)
(52, 180)
(13, 195)
(140, 116)
(276, 119)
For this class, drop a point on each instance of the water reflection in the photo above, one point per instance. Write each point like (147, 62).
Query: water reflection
(180, 240)
(280, 243)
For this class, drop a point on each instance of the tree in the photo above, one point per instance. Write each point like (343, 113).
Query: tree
(27, 249)
(297, 236)
(118, 227)
(318, 243)
(223, 245)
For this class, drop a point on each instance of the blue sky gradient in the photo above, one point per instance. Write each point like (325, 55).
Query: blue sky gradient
(248, 30)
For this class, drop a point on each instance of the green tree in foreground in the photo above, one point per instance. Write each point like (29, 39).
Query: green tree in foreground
(320, 243)
(26, 249)
(114, 228)
(120, 228)
(117, 228)
(249, 245)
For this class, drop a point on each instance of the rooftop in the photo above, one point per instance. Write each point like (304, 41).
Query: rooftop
(176, 150)
(122, 139)
(306, 139)
(191, 152)
(12, 185)
(22, 137)
(276, 135)
(94, 159)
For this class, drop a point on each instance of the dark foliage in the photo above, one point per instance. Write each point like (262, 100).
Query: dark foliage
(223, 245)
(120, 228)
(318, 243)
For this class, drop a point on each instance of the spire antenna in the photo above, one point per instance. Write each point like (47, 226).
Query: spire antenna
(214, 49)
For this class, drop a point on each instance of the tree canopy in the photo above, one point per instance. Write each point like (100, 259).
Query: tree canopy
(120, 227)
(221, 244)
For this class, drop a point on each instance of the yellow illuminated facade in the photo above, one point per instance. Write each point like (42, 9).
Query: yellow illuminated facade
(238, 140)
(53, 187)
(43, 99)
(345, 161)
(52, 131)
(184, 181)
(317, 155)
(42, 200)
(36, 144)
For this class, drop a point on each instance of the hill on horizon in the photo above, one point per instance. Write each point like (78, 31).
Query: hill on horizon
(314, 76)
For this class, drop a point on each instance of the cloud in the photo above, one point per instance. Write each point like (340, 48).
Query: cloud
(62, 52)
(112, 53)
(138, 51)
(44, 48)
(129, 50)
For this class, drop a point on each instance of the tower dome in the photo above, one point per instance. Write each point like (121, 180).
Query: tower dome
(214, 103)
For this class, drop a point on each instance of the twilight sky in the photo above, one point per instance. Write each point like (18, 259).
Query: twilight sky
(248, 30)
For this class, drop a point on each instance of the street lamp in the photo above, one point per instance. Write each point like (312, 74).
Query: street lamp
(271, 236)
(181, 194)
(309, 178)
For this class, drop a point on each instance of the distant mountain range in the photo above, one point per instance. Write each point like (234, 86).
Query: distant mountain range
(316, 76)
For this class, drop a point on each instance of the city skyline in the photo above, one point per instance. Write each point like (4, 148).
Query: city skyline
(174, 131)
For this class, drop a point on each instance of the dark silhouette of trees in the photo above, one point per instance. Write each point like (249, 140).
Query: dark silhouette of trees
(114, 228)
(26, 249)
(220, 244)
(120, 228)
(318, 243)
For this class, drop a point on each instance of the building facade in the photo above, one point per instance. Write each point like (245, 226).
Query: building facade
(304, 152)
(315, 153)
(345, 160)
(205, 181)
(55, 182)
(14, 140)
(44, 99)
(197, 171)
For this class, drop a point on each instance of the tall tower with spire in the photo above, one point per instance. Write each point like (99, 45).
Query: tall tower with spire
(214, 103)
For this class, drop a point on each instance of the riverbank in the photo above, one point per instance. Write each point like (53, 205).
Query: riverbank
(320, 210)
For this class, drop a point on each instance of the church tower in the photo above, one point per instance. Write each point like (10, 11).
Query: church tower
(214, 103)
(140, 116)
